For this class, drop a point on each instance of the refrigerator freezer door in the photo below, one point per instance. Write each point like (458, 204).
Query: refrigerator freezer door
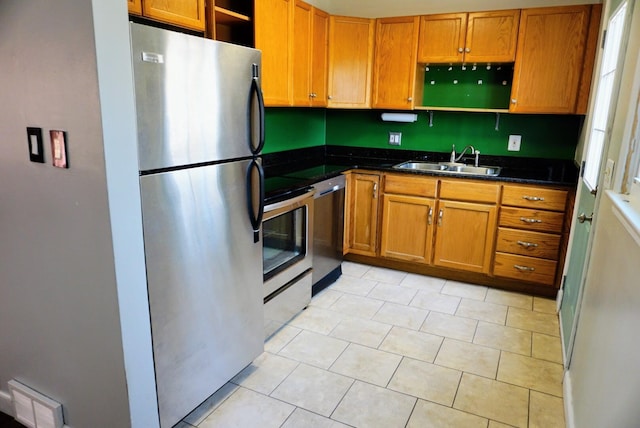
(204, 279)
(195, 98)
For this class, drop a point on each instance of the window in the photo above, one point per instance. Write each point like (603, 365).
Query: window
(604, 94)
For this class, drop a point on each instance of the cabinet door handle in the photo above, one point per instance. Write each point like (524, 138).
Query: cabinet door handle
(440, 214)
(514, 101)
(530, 220)
(528, 244)
(430, 216)
(375, 190)
(410, 99)
(524, 268)
(533, 198)
(460, 50)
(467, 50)
(330, 97)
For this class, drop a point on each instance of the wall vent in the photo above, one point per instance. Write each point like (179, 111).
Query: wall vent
(33, 409)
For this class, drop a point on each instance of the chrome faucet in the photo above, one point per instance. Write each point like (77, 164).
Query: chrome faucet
(473, 152)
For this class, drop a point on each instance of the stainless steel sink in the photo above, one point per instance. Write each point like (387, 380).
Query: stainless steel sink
(421, 166)
(450, 168)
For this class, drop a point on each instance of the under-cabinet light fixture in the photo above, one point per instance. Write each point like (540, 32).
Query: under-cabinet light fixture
(399, 117)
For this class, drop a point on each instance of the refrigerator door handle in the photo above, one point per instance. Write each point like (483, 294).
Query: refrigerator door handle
(255, 89)
(255, 218)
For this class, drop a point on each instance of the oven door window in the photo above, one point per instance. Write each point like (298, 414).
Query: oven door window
(284, 241)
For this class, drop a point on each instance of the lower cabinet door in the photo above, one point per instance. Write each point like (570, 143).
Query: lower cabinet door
(465, 233)
(407, 229)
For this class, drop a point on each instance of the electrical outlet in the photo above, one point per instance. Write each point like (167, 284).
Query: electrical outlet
(514, 143)
(395, 138)
(608, 173)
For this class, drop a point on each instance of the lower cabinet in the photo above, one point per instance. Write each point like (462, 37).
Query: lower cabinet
(506, 235)
(531, 234)
(408, 207)
(362, 213)
(464, 236)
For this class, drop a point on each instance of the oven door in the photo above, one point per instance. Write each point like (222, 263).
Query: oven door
(287, 231)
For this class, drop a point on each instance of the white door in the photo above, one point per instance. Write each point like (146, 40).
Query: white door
(602, 113)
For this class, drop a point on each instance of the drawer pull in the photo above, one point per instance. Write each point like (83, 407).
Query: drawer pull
(527, 244)
(440, 214)
(530, 220)
(533, 198)
(430, 216)
(524, 268)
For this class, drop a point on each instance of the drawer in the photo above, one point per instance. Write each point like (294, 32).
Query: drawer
(410, 185)
(535, 197)
(472, 191)
(525, 268)
(526, 243)
(522, 218)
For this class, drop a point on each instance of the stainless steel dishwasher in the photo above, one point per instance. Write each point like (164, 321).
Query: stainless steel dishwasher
(328, 227)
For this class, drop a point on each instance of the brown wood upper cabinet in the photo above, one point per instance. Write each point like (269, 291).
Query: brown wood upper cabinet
(310, 35)
(273, 35)
(350, 62)
(552, 68)
(469, 37)
(183, 13)
(293, 38)
(135, 7)
(395, 64)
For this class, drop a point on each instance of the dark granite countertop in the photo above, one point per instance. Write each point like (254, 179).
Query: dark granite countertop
(288, 172)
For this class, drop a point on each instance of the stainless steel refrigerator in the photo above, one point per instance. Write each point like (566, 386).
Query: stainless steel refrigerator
(200, 131)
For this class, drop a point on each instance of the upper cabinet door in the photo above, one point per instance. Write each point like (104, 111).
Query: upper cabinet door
(184, 13)
(468, 37)
(350, 61)
(320, 26)
(302, 16)
(492, 36)
(549, 60)
(135, 7)
(442, 38)
(395, 62)
(273, 21)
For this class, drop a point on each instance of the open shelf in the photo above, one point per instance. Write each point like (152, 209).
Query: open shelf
(470, 87)
(468, 109)
(229, 17)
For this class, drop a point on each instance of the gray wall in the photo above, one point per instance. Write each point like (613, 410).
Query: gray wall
(73, 314)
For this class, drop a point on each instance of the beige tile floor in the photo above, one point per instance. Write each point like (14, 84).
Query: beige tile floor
(383, 348)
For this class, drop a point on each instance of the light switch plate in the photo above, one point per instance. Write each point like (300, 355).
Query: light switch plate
(34, 138)
(514, 143)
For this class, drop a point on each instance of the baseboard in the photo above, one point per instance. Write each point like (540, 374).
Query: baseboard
(6, 405)
(568, 400)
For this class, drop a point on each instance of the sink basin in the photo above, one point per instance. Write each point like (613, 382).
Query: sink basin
(421, 166)
(450, 168)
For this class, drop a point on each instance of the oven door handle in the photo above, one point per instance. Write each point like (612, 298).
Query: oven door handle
(255, 218)
(288, 202)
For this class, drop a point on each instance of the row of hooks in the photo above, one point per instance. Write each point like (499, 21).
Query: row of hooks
(464, 68)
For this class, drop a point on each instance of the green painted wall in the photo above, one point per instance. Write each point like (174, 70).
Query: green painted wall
(293, 128)
(543, 136)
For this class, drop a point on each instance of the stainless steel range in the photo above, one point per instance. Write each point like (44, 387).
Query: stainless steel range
(287, 251)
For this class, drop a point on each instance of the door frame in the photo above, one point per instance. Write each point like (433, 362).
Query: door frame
(606, 15)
